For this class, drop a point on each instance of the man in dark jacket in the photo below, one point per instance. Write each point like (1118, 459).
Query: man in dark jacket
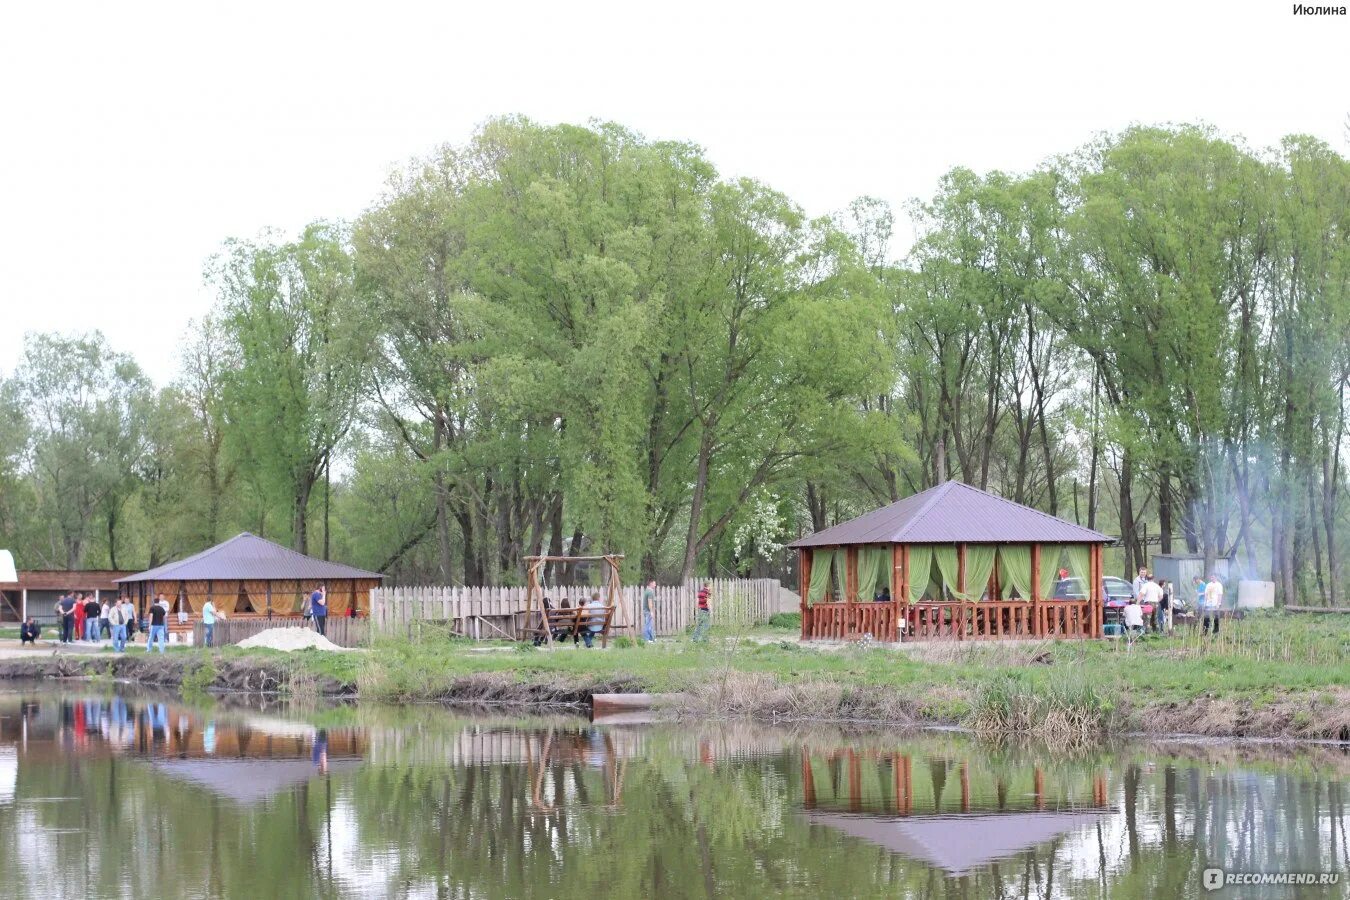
(29, 632)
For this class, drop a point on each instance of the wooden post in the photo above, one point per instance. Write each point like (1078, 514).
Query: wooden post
(850, 590)
(1037, 626)
(961, 589)
(1095, 590)
(804, 587)
(897, 579)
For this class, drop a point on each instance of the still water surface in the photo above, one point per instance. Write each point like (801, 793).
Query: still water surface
(107, 794)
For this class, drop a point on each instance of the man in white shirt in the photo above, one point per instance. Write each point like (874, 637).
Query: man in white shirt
(1134, 617)
(1213, 603)
(1150, 594)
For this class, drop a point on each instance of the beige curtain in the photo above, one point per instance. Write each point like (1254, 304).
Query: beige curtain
(920, 567)
(1014, 571)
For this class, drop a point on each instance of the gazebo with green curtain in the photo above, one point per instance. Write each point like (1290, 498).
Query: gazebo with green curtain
(951, 562)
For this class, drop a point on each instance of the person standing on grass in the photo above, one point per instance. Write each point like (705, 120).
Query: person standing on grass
(1213, 603)
(209, 623)
(1162, 613)
(159, 624)
(92, 611)
(1150, 594)
(79, 618)
(318, 604)
(104, 624)
(702, 615)
(117, 621)
(1140, 580)
(649, 611)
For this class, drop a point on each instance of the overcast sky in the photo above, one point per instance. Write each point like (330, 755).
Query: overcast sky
(135, 137)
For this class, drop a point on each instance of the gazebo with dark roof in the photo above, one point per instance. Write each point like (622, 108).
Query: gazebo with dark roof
(950, 562)
(249, 575)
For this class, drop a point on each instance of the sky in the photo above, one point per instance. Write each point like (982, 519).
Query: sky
(136, 137)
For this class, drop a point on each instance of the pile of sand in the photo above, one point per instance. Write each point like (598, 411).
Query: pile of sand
(288, 639)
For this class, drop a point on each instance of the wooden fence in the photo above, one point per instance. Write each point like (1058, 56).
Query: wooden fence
(486, 613)
(341, 630)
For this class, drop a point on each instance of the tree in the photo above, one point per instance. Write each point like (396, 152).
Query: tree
(86, 406)
(300, 329)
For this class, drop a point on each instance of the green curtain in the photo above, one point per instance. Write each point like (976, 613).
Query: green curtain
(873, 570)
(1079, 563)
(920, 567)
(840, 573)
(945, 557)
(979, 566)
(1014, 571)
(820, 575)
(1049, 570)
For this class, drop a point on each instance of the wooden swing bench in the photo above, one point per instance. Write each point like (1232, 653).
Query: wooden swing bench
(569, 622)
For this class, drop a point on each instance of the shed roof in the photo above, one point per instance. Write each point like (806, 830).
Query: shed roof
(952, 513)
(247, 556)
(65, 580)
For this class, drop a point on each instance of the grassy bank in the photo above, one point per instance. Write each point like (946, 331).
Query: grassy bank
(1269, 676)
(1273, 676)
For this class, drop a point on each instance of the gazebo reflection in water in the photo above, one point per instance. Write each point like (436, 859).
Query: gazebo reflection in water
(948, 812)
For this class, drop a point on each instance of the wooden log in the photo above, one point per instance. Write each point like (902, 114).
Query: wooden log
(613, 703)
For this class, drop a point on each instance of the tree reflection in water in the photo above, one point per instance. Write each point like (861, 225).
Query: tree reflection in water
(130, 796)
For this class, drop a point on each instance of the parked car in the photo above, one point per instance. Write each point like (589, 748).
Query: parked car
(1115, 591)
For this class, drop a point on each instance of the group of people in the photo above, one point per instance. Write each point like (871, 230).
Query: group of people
(585, 628)
(1159, 594)
(81, 617)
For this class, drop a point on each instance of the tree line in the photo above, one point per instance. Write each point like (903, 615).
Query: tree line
(564, 339)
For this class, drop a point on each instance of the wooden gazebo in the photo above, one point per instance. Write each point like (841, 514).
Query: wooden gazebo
(251, 576)
(953, 562)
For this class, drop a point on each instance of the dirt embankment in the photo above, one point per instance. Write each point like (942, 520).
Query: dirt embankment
(168, 672)
(1321, 715)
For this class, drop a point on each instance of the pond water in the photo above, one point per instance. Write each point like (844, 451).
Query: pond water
(120, 794)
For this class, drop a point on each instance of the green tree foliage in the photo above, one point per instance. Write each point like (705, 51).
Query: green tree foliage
(565, 339)
(300, 331)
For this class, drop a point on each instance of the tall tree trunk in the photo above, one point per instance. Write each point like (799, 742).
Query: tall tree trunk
(1165, 509)
(299, 534)
(696, 506)
(1128, 536)
(112, 539)
(555, 536)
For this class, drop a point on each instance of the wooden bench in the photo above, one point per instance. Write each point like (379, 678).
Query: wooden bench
(568, 622)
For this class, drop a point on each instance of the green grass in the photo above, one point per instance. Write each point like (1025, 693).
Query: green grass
(1263, 661)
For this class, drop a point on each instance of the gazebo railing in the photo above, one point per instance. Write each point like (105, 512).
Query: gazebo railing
(950, 620)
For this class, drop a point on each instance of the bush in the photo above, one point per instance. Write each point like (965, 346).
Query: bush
(786, 621)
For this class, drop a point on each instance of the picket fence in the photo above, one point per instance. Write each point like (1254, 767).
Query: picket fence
(494, 613)
(341, 630)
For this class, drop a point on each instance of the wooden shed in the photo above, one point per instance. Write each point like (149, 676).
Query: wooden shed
(952, 562)
(251, 576)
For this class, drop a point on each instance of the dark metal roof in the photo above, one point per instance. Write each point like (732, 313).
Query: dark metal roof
(954, 513)
(247, 556)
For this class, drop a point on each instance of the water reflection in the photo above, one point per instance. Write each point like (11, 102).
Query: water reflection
(107, 794)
